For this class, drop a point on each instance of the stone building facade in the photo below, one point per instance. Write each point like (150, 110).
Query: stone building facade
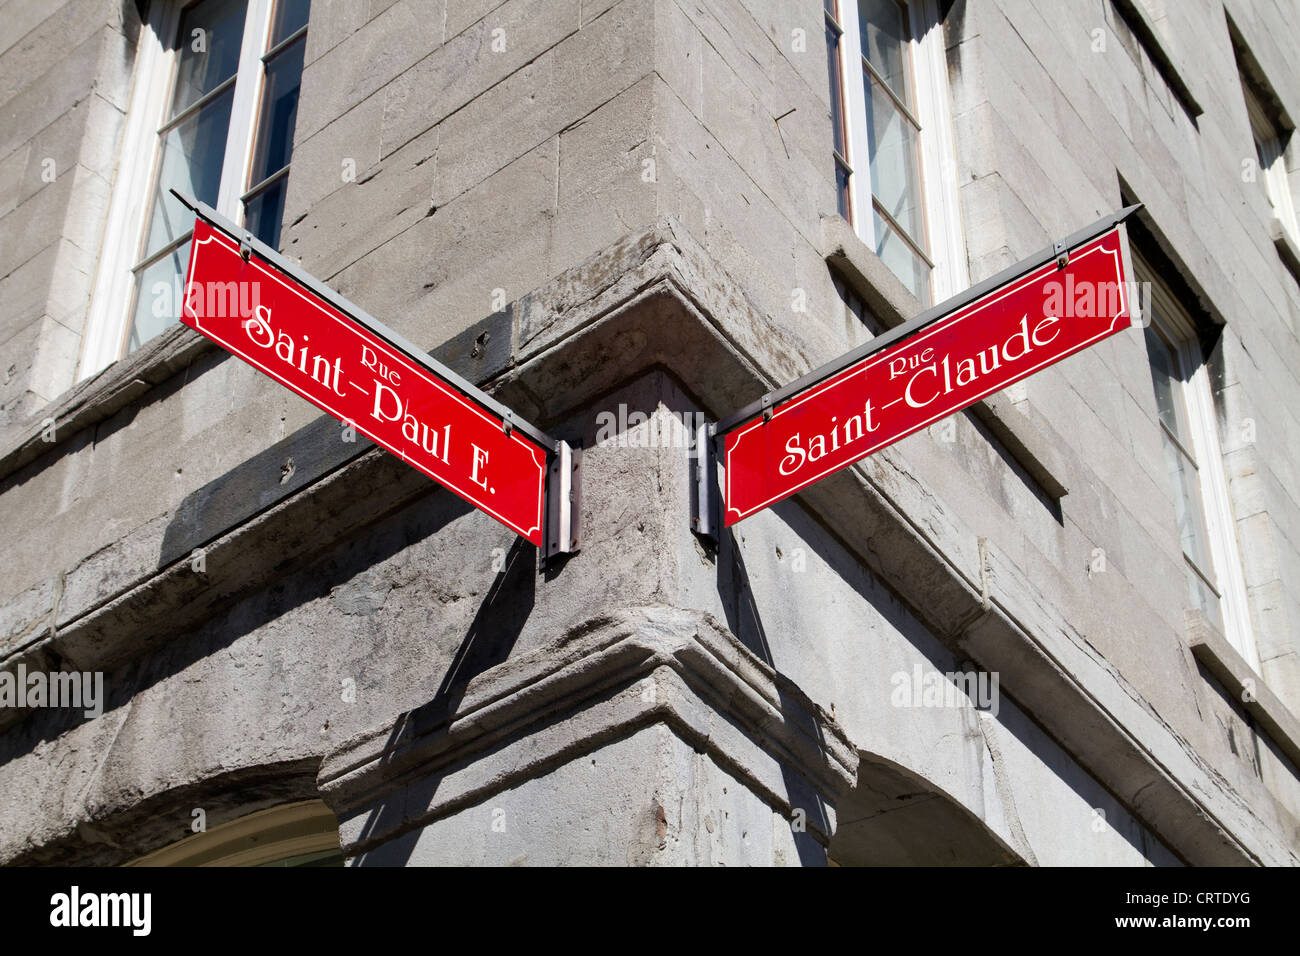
(630, 211)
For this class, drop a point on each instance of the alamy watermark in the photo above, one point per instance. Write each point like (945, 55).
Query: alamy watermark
(1086, 299)
(75, 689)
(75, 908)
(666, 429)
(206, 300)
(921, 688)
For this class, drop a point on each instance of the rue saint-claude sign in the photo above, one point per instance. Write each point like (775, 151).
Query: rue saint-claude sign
(323, 348)
(1027, 317)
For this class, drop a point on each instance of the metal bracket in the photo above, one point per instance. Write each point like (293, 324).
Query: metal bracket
(563, 502)
(1053, 253)
(704, 482)
(247, 241)
(508, 422)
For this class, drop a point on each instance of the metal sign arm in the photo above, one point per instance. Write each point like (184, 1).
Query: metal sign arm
(369, 322)
(1057, 251)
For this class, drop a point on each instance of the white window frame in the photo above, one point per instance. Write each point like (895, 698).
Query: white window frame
(1193, 391)
(937, 162)
(129, 208)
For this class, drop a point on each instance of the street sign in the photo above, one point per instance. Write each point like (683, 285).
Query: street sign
(1036, 313)
(318, 345)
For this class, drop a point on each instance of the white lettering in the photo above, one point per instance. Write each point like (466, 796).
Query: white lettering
(793, 449)
(480, 458)
(907, 392)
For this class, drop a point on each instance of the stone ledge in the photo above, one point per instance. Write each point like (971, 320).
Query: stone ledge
(91, 401)
(644, 666)
(174, 598)
(884, 293)
(1224, 661)
(1095, 714)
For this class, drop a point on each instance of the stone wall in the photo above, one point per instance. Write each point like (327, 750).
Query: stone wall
(585, 205)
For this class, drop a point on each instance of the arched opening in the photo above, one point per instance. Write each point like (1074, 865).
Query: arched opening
(293, 834)
(895, 818)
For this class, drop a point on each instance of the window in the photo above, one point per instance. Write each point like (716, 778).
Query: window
(1186, 418)
(892, 141)
(1136, 30)
(1271, 129)
(1270, 149)
(212, 115)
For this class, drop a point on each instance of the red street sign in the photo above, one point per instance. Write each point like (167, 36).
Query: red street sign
(276, 323)
(989, 343)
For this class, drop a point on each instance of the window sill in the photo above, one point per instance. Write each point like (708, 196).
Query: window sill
(91, 401)
(1224, 661)
(891, 303)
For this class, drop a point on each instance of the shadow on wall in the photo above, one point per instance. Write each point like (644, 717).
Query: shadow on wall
(894, 815)
(744, 621)
(257, 484)
(488, 642)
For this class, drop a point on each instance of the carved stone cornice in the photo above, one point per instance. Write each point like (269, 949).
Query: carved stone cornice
(603, 682)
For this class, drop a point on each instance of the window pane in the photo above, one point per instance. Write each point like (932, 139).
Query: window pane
(883, 32)
(290, 16)
(1202, 597)
(895, 181)
(902, 260)
(837, 92)
(209, 39)
(1166, 383)
(1162, 379)
(1187, 506)
(192, 152)
(263, 213)
(279, 111)
(842, 189)
(157, 299)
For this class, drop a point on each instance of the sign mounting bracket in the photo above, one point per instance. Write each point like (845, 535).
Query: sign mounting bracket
(563, 503)
(704, 482)
(360, 316)
(919, 322)
(1062, 255)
